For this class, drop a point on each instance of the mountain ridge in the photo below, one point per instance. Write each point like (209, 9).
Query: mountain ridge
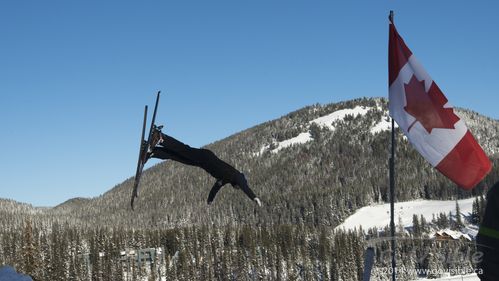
(296, 184)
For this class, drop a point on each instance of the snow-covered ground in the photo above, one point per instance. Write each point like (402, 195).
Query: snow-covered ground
(379, 215)
(328, 120)
(384, 124)
(301, 138)
(8, 273)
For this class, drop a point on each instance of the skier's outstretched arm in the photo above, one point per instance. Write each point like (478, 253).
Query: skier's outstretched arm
(214, 190)
(251, 195)
(243, 185)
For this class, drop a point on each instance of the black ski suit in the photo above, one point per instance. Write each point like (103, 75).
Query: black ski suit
(175, 150)
(488, 237)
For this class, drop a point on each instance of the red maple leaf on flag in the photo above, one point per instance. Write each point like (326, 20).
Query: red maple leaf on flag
(428, 108)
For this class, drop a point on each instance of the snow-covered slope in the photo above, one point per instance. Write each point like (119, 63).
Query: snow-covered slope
(331, 120)
(328, 120)
(301, 138)
(384, 124)
(379, 215)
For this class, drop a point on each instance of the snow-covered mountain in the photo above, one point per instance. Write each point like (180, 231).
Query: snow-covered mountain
(316, 165)
(313, 168)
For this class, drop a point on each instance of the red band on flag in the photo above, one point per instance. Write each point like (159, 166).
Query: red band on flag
(466, 164)
(398, 54)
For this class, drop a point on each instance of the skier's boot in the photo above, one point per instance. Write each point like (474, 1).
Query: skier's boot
(156, 139)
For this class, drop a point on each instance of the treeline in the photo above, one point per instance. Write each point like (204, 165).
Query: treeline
(284, 252)
(233, 252)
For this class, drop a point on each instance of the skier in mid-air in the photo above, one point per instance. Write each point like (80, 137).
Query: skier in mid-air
(165, 147)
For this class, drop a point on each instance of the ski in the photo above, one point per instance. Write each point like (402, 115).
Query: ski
(144, 148)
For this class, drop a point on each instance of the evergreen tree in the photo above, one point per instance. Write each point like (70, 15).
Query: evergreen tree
(30, 256)
(475, 215)
(46, 253)
(459, 221)
(434, 266)
(423, 225)
(416, 228)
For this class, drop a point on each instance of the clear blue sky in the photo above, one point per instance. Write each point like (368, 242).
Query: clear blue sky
(75, 75)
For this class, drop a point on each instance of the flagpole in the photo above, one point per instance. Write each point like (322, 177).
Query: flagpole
(392, 199)
(392, 190)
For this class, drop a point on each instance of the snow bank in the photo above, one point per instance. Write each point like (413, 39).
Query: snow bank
(8, 273)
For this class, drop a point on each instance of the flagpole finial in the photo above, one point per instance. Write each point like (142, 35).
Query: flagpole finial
(390, 17)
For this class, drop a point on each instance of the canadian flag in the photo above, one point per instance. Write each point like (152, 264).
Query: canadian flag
(428, 120)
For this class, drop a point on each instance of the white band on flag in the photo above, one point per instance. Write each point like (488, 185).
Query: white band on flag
(433, 146)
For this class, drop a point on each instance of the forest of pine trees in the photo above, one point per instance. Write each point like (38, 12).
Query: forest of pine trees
(285, 252)
(234, 252)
